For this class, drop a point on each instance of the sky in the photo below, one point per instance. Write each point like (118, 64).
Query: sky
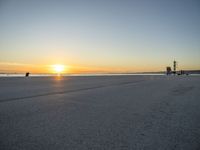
(99, 36)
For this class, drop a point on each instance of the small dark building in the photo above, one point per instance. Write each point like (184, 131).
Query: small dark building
(168, 70)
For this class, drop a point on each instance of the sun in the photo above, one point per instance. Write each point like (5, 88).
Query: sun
(58, 68)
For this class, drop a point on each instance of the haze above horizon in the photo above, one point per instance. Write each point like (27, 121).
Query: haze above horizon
(97, 36)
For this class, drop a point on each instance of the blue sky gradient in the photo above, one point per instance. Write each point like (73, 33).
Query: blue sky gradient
(133, 35)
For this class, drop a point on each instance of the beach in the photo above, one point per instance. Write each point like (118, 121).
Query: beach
(140, 112)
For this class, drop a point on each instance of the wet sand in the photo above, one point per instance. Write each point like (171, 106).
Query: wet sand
(105, 112)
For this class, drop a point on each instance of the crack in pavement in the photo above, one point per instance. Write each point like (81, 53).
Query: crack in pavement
(68, 91)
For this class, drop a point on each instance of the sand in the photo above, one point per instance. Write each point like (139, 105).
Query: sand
(105, 112)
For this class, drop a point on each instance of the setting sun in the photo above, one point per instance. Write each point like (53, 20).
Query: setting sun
(58, 68)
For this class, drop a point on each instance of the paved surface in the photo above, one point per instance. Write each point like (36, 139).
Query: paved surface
(119, 112)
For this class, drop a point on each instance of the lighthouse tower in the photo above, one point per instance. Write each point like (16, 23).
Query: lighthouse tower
(175, 66)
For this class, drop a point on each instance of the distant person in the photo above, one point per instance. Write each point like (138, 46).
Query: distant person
(27, 74)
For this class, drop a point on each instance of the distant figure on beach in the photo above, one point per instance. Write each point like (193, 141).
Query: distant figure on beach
(27, 74)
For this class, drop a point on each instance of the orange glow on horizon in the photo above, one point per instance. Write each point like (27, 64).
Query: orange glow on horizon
(6, 67)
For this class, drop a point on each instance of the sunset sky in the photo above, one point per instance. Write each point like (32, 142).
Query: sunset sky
(99, 36)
